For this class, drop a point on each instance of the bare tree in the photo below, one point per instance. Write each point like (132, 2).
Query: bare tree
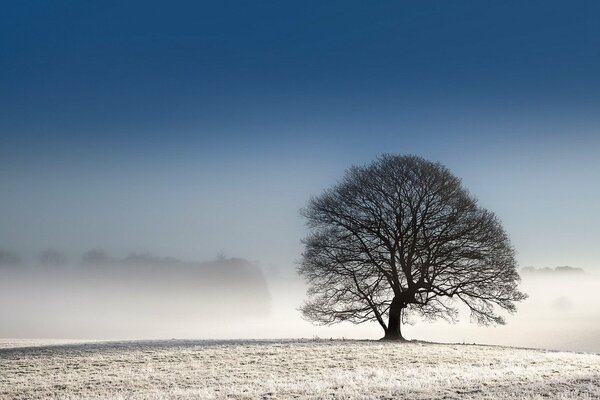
(403, 236)
(52, 257)
(9, 259)
(96, 257)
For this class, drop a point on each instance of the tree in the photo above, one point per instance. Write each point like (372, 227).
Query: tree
(9, 259)
(52, 257)
(96, 257)
(403, 236)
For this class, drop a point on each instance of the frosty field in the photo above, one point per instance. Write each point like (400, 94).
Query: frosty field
(291, 370)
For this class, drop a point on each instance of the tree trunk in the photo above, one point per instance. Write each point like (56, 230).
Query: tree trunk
(393, 331)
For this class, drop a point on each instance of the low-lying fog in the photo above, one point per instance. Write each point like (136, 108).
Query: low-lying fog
(142, 297)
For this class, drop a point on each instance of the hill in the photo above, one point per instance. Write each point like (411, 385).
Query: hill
(293, 369)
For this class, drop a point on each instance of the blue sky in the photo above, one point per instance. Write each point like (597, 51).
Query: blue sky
(194, 128)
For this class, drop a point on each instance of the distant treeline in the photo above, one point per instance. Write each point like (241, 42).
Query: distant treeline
(222, 274)
(138, 295)
(96, 257)
(556, 270)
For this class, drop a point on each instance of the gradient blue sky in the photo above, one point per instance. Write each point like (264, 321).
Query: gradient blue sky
(196, 128)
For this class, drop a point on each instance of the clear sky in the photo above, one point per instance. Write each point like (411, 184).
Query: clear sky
(189, 129)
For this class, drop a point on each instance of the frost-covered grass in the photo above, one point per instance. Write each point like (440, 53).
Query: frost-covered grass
(294, 370)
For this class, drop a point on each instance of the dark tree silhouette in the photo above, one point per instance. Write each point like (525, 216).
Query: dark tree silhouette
(402, 235)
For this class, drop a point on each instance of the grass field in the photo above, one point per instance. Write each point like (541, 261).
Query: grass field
(315, 369)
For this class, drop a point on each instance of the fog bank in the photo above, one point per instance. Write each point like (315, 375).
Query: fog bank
(136, 297)
(145, 297)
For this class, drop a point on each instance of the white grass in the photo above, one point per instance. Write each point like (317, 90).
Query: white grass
(294, 370)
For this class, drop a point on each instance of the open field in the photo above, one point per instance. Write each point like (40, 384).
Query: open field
(292, 369)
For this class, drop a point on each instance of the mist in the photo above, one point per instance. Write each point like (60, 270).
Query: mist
(138, 296)
(141, 296)
(562, 312)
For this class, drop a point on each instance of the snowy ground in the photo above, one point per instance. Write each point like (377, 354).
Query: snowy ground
(292, 370)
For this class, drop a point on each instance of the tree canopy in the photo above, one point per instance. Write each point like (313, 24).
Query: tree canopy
(402, 236)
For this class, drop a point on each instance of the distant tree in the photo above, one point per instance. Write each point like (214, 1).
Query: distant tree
(569, 270)
(8, 258)
(147, 259)
(563, 270)
(52, 257)
(403, 236)
(95, 257)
